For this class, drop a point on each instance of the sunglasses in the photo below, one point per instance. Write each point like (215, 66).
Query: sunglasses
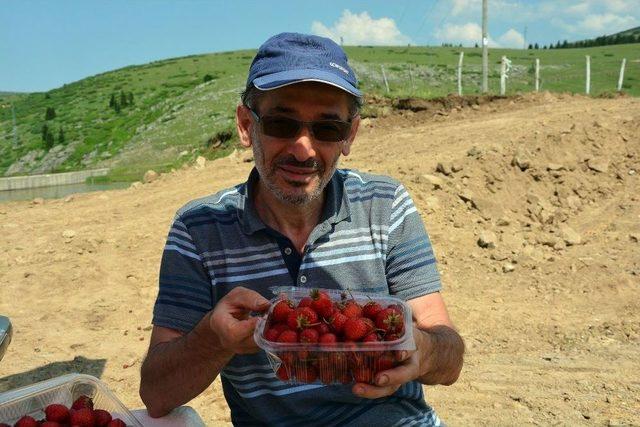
(288, 128)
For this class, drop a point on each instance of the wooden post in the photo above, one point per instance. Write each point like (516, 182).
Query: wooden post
(587, 88)
(485, 47)
(384, 76)
(624, 62)
(460, 74)
(413, 86)
(537, 75)
(503, 76)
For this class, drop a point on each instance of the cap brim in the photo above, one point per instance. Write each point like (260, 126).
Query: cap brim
(286, 78)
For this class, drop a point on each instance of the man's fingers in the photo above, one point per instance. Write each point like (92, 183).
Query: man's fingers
(369, 391)
(241, 297)
(398, 375)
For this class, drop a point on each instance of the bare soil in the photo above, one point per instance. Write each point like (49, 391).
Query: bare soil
(549, 308)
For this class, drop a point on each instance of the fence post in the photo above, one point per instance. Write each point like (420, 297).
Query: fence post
(384, 76)
(503, 75)
(624, 62)
(537, 75)
(587, 88)
(413, 86)
(460, 74)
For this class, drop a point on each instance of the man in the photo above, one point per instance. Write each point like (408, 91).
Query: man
(298, 220)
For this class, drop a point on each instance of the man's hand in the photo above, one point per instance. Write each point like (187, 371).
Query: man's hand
(232, 323)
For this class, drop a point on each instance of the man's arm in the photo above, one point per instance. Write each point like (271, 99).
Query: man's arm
(178, 367)
(438, 356)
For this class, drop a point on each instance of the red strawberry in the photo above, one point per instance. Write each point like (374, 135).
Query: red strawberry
(83, 418)
(281, 310)
(56, 412)
(288, 336)
(355, 329)
(337, 322)
(391, 337)
(102, 417)
(271, 334)
(306, 373)
(116, 423)
(82, 402)
(321, 303)
(371, 337)
(280, 327)
(390, 320)
(352, 309)
(322, 328)
(26, 421)
(305, 302)
(309, 335)
(302, 317)
(371, 310)
(282, 373)
(328, 339)
(362, 374)
(48, 424)
(384, 362)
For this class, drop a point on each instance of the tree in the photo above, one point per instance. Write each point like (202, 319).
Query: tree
(530, 46)
(565, 44)
(476, 45)
(116, 107)
(130, 98)
(48, 144)
(45, 131)
(61, 136)
(123, 99)
(112, 101)
(50, 113)
(536, 46)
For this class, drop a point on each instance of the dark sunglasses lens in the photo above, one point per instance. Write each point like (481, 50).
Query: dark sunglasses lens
(331, 130)
(280, 127)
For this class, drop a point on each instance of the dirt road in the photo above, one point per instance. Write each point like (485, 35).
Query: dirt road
(549, 307)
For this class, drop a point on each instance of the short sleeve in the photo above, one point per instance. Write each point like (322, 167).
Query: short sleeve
(410, 262)
(185, 294)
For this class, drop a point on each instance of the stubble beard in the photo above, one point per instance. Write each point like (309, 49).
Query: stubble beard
(268, 176)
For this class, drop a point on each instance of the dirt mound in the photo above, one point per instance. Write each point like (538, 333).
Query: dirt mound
(532, 205)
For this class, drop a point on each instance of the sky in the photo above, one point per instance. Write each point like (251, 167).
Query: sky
(45, 44)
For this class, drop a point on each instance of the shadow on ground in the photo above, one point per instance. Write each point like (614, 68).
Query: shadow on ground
(79, 364)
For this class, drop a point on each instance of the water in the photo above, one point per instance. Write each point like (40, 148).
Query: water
(58, 191)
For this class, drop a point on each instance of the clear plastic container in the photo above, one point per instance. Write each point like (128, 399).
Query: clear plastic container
(33, 399)
(336, 363)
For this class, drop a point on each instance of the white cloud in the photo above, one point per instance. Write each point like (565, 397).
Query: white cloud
(578, 9)
(463, 6)
(621, 5)
(512, 39)
(362, 29)
(467, 34)
(607, 23)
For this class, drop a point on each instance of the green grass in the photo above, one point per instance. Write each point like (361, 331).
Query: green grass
(175, 113)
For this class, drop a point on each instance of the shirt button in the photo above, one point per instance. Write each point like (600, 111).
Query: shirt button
(287, 251)
(303, 279)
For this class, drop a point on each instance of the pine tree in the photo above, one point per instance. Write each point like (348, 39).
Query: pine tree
(117, 107)
(535, 46)
(130, 98)
(50, 113)
(123, 99)
(48, 144)
(112, 101)
(61, 136)
(45, 131)
(530, 46)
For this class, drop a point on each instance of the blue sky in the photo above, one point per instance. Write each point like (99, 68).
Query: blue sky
(44, 44)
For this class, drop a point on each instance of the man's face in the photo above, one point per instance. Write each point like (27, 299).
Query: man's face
(296, 170)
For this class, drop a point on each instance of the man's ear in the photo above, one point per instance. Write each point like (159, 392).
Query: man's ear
(243, 125)
(346, 146)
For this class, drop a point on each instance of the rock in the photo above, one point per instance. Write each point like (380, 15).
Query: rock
(444, 168)
(521, 160)
(247, 156)
(68, 199)
(503, 221)
(467, 196)
(150, 176)
(200, 162)
(598, 165)
(432, 202)
(487, 239)
(183, 153)
(634, 237)
(456, 167)
(570, 236)
(135, 185)
(508, 268)
(555, 167)
(474, 152)
(68, 234)
(435, 181)
(500, 255)
(574, 202)
(37, 201)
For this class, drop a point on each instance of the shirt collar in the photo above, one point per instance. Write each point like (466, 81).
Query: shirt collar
(336, 207)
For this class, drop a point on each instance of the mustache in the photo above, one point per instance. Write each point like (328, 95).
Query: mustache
(291, 161)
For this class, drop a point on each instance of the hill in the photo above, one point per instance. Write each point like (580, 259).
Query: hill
(169, 112)
(629, 36)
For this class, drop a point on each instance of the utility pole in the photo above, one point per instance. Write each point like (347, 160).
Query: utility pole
(485, 49)
(524, 44)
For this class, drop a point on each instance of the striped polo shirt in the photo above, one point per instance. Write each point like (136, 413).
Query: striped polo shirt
(370, 238)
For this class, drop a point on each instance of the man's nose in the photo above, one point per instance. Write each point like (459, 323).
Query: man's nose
(302, 146)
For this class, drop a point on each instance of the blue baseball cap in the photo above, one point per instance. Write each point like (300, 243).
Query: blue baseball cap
(289, 58)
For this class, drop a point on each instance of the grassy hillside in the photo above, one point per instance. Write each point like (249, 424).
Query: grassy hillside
(176, 115)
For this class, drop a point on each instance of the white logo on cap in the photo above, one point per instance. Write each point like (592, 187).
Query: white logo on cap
(339, 67)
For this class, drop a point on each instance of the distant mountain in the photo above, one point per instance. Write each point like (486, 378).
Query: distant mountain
(631, 35)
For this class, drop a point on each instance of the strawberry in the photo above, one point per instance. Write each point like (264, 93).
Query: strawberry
(391, 337)
(102, 417)
(371, 337)
(301, 318)
(306, 373)
(26, 421)
(390, 320)
(352, 309)
(116, 423)
(305, 302)
(282, 373)
(281, 310)
(271, 334)
(48, 424)
(280, 327)
(82, 418)
(336, 322)
(82, 402)
(288, 337)
(322, 328)
(309, 335)
(371, 310)
(321, 303)
(355, 329)
(362, 374)
(384, 362)
(328, 339)
(56, 412)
